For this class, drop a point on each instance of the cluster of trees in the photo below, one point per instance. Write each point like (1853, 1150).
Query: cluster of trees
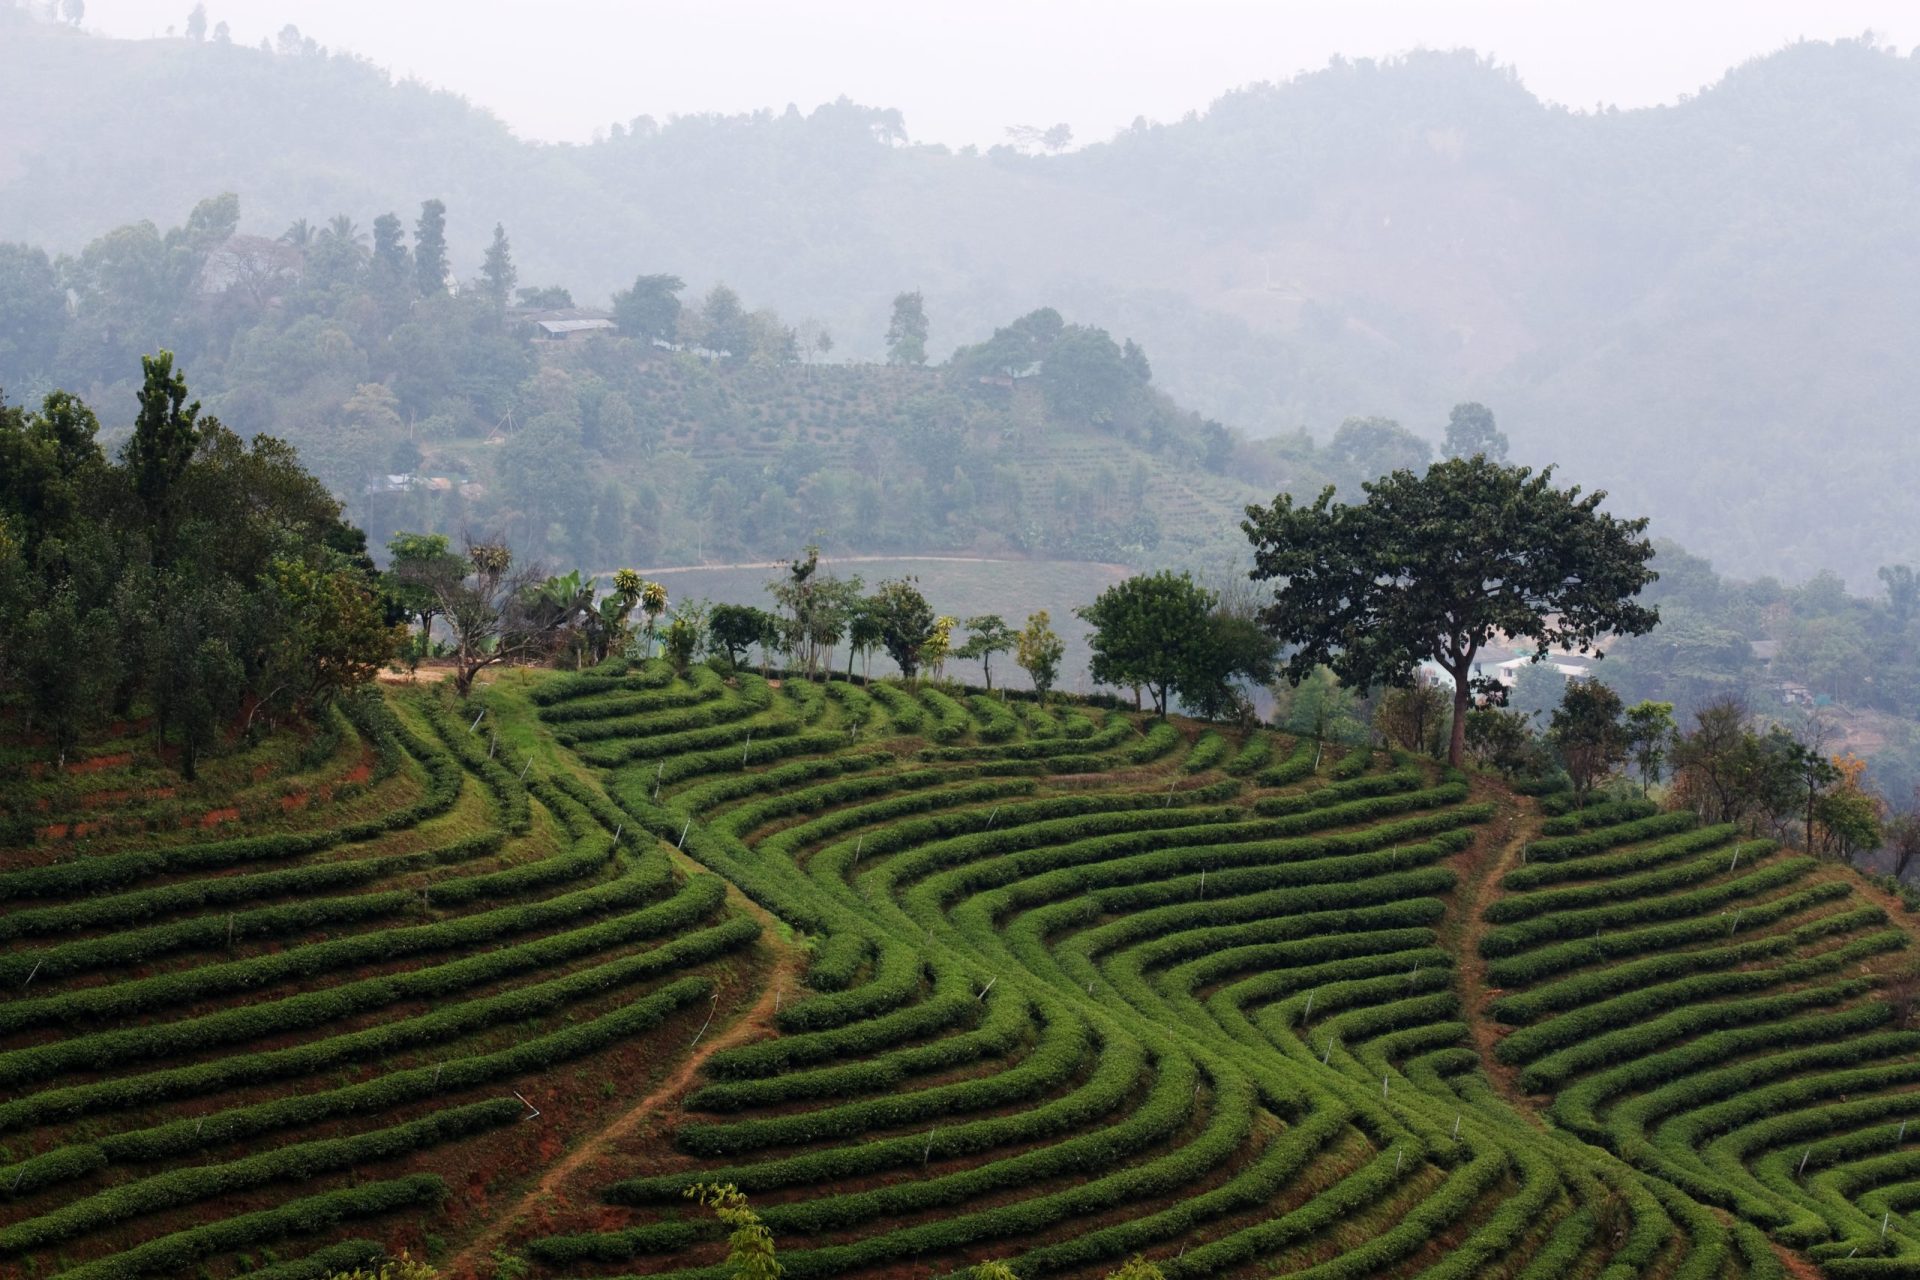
(1084, 375)
(202, 580)
(1730, 766)
(1431, 568)
(1168, 635)
(344, 340)
(492, 610)
(1796, 652)
(1363, 448)
(719, 325)
(816, 611)
(477, 607)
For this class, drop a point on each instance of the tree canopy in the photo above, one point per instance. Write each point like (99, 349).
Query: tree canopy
(1165, 633)
(987, 634)
(1470, 430)
(905, 621)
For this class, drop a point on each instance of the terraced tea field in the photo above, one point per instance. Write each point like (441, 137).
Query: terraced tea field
(934, 978)
(247, 1031)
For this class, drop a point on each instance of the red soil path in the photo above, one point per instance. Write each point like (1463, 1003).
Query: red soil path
(467, 1264)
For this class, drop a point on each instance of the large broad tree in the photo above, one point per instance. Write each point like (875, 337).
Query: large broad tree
(390, 270)
(724, 328)
(1141, 629)
(1433, 567)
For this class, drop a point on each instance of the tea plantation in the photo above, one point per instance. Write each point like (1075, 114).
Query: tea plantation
(934, 978)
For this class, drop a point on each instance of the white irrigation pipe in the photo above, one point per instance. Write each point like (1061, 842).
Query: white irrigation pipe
(703, 1026)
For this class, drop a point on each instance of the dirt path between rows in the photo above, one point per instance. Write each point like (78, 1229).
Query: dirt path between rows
(758, 1019)
(1521, 822)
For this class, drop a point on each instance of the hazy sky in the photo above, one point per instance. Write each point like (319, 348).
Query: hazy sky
(560, 69)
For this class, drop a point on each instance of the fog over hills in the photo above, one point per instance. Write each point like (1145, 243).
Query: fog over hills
(1708, 309)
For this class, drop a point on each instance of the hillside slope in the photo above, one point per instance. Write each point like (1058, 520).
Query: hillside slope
(1706, 306)
(1052, 985)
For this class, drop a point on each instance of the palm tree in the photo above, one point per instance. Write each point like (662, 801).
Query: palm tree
(299, 235)
(341, 230)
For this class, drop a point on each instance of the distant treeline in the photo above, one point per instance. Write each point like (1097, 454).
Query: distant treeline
(698, 428)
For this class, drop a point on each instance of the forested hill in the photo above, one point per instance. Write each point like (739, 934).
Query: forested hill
(1715, 300)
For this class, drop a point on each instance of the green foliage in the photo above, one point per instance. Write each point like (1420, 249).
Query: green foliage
(905, 622)
(1414, 718)
(1649, 729)
(33, 316)
(421, 568)
(750, 1246)
(1503, 739)
(907, 330)
(430, 267)
(736, 628)
(1363, 449)
(1038, 650)
(497, 273)
(819, 609)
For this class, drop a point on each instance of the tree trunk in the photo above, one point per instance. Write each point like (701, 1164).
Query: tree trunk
(1457, 739)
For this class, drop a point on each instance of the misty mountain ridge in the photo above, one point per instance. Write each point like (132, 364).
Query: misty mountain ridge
(1706, 308)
